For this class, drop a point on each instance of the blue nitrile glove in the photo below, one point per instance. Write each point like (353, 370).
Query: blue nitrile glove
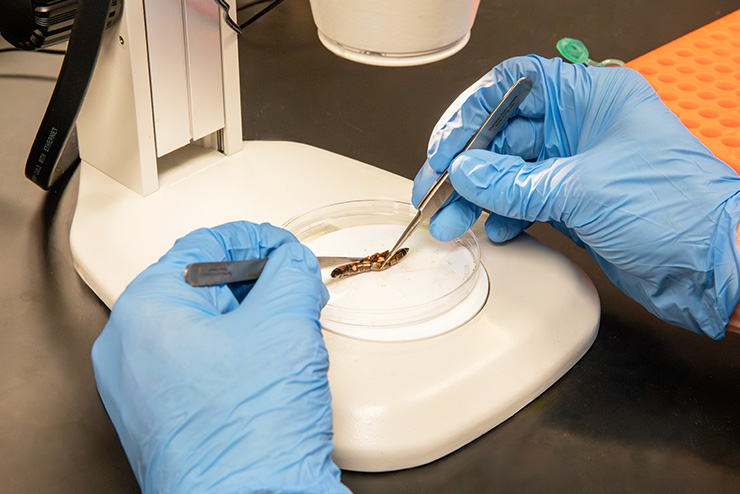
(212, 395)
(595, 152)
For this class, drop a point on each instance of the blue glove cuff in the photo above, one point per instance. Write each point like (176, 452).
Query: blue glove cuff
(726, 269)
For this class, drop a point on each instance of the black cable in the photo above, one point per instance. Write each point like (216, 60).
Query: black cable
(28, 76)
(251, 4)
(52, 52)
(237, 28)
(259, 14)
(229, 21)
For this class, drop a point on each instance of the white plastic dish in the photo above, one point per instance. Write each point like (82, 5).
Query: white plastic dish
(436, 288)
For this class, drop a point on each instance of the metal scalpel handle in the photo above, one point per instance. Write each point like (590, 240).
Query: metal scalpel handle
(219, 273)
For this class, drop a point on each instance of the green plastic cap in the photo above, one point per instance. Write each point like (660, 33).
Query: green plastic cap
(573, 50)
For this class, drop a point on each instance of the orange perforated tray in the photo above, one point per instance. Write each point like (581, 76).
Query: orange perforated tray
(698, 78)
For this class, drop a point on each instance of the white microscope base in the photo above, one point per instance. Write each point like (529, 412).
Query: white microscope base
(396, 405)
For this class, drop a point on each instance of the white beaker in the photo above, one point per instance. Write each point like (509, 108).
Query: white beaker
(394, 32)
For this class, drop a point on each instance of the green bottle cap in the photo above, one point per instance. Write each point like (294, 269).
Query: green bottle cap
(573, 50)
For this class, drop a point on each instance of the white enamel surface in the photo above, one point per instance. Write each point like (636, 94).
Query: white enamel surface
(396, 404)
(149, 96)
(115, 126)
(205, 84)
(168, 73)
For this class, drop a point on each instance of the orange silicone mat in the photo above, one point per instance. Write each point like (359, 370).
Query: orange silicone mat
(698, 78)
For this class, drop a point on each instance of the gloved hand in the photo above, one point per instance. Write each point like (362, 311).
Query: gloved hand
(212, 395)
(595, 152)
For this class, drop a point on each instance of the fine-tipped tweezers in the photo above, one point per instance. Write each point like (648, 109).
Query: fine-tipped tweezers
(440, 191)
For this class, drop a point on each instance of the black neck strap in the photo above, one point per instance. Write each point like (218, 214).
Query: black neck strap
(42, 166)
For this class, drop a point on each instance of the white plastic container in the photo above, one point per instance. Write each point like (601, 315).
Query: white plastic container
(394, 32)
(437, 288)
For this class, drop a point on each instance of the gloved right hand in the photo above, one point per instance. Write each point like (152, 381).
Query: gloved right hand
(595, 152)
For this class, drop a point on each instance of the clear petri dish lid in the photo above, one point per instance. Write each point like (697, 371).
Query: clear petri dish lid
(432, 283)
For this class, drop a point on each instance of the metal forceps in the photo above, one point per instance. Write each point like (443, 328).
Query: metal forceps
(440, 191)
(219, 273)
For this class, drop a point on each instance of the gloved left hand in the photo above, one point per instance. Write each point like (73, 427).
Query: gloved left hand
(212, 395)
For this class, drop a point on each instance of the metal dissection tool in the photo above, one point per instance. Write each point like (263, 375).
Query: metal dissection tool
(218, 273)
(442, 188)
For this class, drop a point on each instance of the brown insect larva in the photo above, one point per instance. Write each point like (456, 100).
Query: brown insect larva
(373, 262)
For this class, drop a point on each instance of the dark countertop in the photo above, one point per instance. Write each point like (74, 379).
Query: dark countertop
(649, 408)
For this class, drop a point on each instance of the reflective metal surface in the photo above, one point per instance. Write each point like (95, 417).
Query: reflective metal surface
(440, 190)
(649, 408)
(219, 273)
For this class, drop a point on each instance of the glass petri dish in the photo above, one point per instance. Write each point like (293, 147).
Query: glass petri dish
(436, 288)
